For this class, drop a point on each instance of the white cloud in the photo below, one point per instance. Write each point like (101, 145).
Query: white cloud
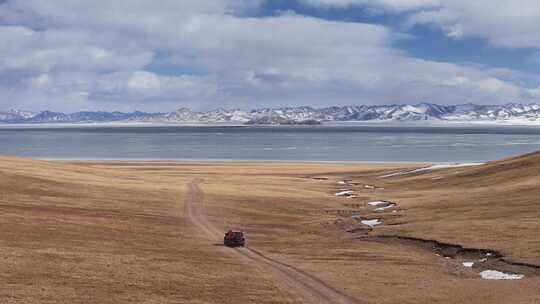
(144, 82)
(136, 54)
(40, 82)
(507, 23)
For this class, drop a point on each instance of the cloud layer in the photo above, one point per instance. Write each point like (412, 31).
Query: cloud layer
(508, 23)
(74, 55)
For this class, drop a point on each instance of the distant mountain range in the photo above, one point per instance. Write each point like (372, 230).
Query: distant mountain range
(510, 113)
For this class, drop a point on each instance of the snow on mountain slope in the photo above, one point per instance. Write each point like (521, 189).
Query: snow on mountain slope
(508, 113)
(14, 116)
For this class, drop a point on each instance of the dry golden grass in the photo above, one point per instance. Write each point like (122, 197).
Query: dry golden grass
(117, 232)
(494, 206)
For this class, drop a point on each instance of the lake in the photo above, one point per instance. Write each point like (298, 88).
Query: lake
(371, 143)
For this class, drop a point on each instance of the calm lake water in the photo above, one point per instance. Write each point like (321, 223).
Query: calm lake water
(315, 143)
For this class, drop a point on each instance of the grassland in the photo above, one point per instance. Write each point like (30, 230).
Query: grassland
(123, 232)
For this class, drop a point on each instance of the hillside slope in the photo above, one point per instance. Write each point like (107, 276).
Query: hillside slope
(495, 206)
(117, 232)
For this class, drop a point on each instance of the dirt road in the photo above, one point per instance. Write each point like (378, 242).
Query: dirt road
(309, 288)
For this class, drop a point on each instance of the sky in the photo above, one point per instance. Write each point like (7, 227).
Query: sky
(73, 55)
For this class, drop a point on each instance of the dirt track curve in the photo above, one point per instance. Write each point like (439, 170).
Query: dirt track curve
(309, 288)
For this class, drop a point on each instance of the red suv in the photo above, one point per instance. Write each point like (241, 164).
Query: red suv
(234, 239)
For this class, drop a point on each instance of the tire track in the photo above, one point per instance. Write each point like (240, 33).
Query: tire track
(311, 289)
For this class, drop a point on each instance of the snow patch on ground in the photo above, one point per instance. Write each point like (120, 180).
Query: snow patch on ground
(435, 167)
(382, 205)
(345, 193)
(395, 174)
(342, 183)
(497, 275)
(468, 264)
(385, 207)
(430, 168)
(378, 203)
(371, 223)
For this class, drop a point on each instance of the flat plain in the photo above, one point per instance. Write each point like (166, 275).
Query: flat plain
(151, 232)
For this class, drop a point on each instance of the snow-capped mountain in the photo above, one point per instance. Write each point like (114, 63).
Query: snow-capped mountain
(513, 113)
(14, 116)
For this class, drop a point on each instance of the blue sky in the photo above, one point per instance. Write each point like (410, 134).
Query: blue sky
(70, 55)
